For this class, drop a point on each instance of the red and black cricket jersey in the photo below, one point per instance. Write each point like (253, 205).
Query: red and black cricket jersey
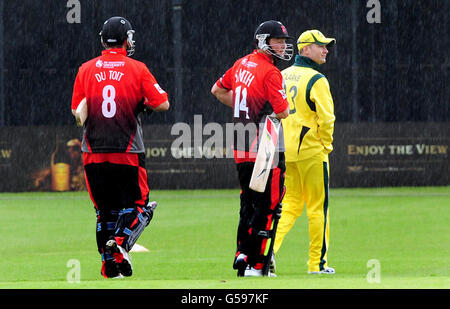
(257, 86)
(117, 88)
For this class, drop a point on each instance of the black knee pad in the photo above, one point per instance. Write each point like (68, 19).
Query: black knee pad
(131, 224)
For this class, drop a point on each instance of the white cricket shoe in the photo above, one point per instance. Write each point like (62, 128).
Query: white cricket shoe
(252, 272)
(328, 271)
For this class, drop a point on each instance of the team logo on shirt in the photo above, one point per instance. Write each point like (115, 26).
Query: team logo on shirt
(249, 64)
(109, 64)
(283, 94)
(113, 64)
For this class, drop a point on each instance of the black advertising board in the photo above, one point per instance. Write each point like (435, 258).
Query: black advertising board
(27, 160)
(364, 155)
(390, 154)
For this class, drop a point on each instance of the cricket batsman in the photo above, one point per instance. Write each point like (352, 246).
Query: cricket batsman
(253, 88)
(116, 89)
(308, 134)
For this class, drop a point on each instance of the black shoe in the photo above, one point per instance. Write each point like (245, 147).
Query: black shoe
(110, 269)
(121, 256)
(240, 263)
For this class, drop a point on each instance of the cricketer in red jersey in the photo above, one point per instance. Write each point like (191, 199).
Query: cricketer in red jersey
(117, 89)
(253, 87)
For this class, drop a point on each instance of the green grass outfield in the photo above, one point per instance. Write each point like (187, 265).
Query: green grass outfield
(192, 241)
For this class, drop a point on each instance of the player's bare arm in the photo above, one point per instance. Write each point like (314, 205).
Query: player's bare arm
(223, 95)
(283, 114)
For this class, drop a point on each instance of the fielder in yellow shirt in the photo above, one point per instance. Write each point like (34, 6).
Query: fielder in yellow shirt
(308, 134)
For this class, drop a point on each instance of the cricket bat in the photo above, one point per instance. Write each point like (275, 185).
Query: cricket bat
(266, 152)
(81, 112)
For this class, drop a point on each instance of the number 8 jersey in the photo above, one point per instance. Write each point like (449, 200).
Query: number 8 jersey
(117, 88)
(257, 86)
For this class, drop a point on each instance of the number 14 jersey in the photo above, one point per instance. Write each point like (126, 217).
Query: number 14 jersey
(257, 86)
(117, 89)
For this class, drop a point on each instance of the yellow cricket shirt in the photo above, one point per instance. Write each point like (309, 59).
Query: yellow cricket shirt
(310, 125)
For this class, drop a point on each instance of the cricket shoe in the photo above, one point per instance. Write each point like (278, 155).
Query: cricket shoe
(110, 270)
(252, 272)
(328, 271)
(152, 205)
(121, 256)
(119, 276)
(240, 263)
